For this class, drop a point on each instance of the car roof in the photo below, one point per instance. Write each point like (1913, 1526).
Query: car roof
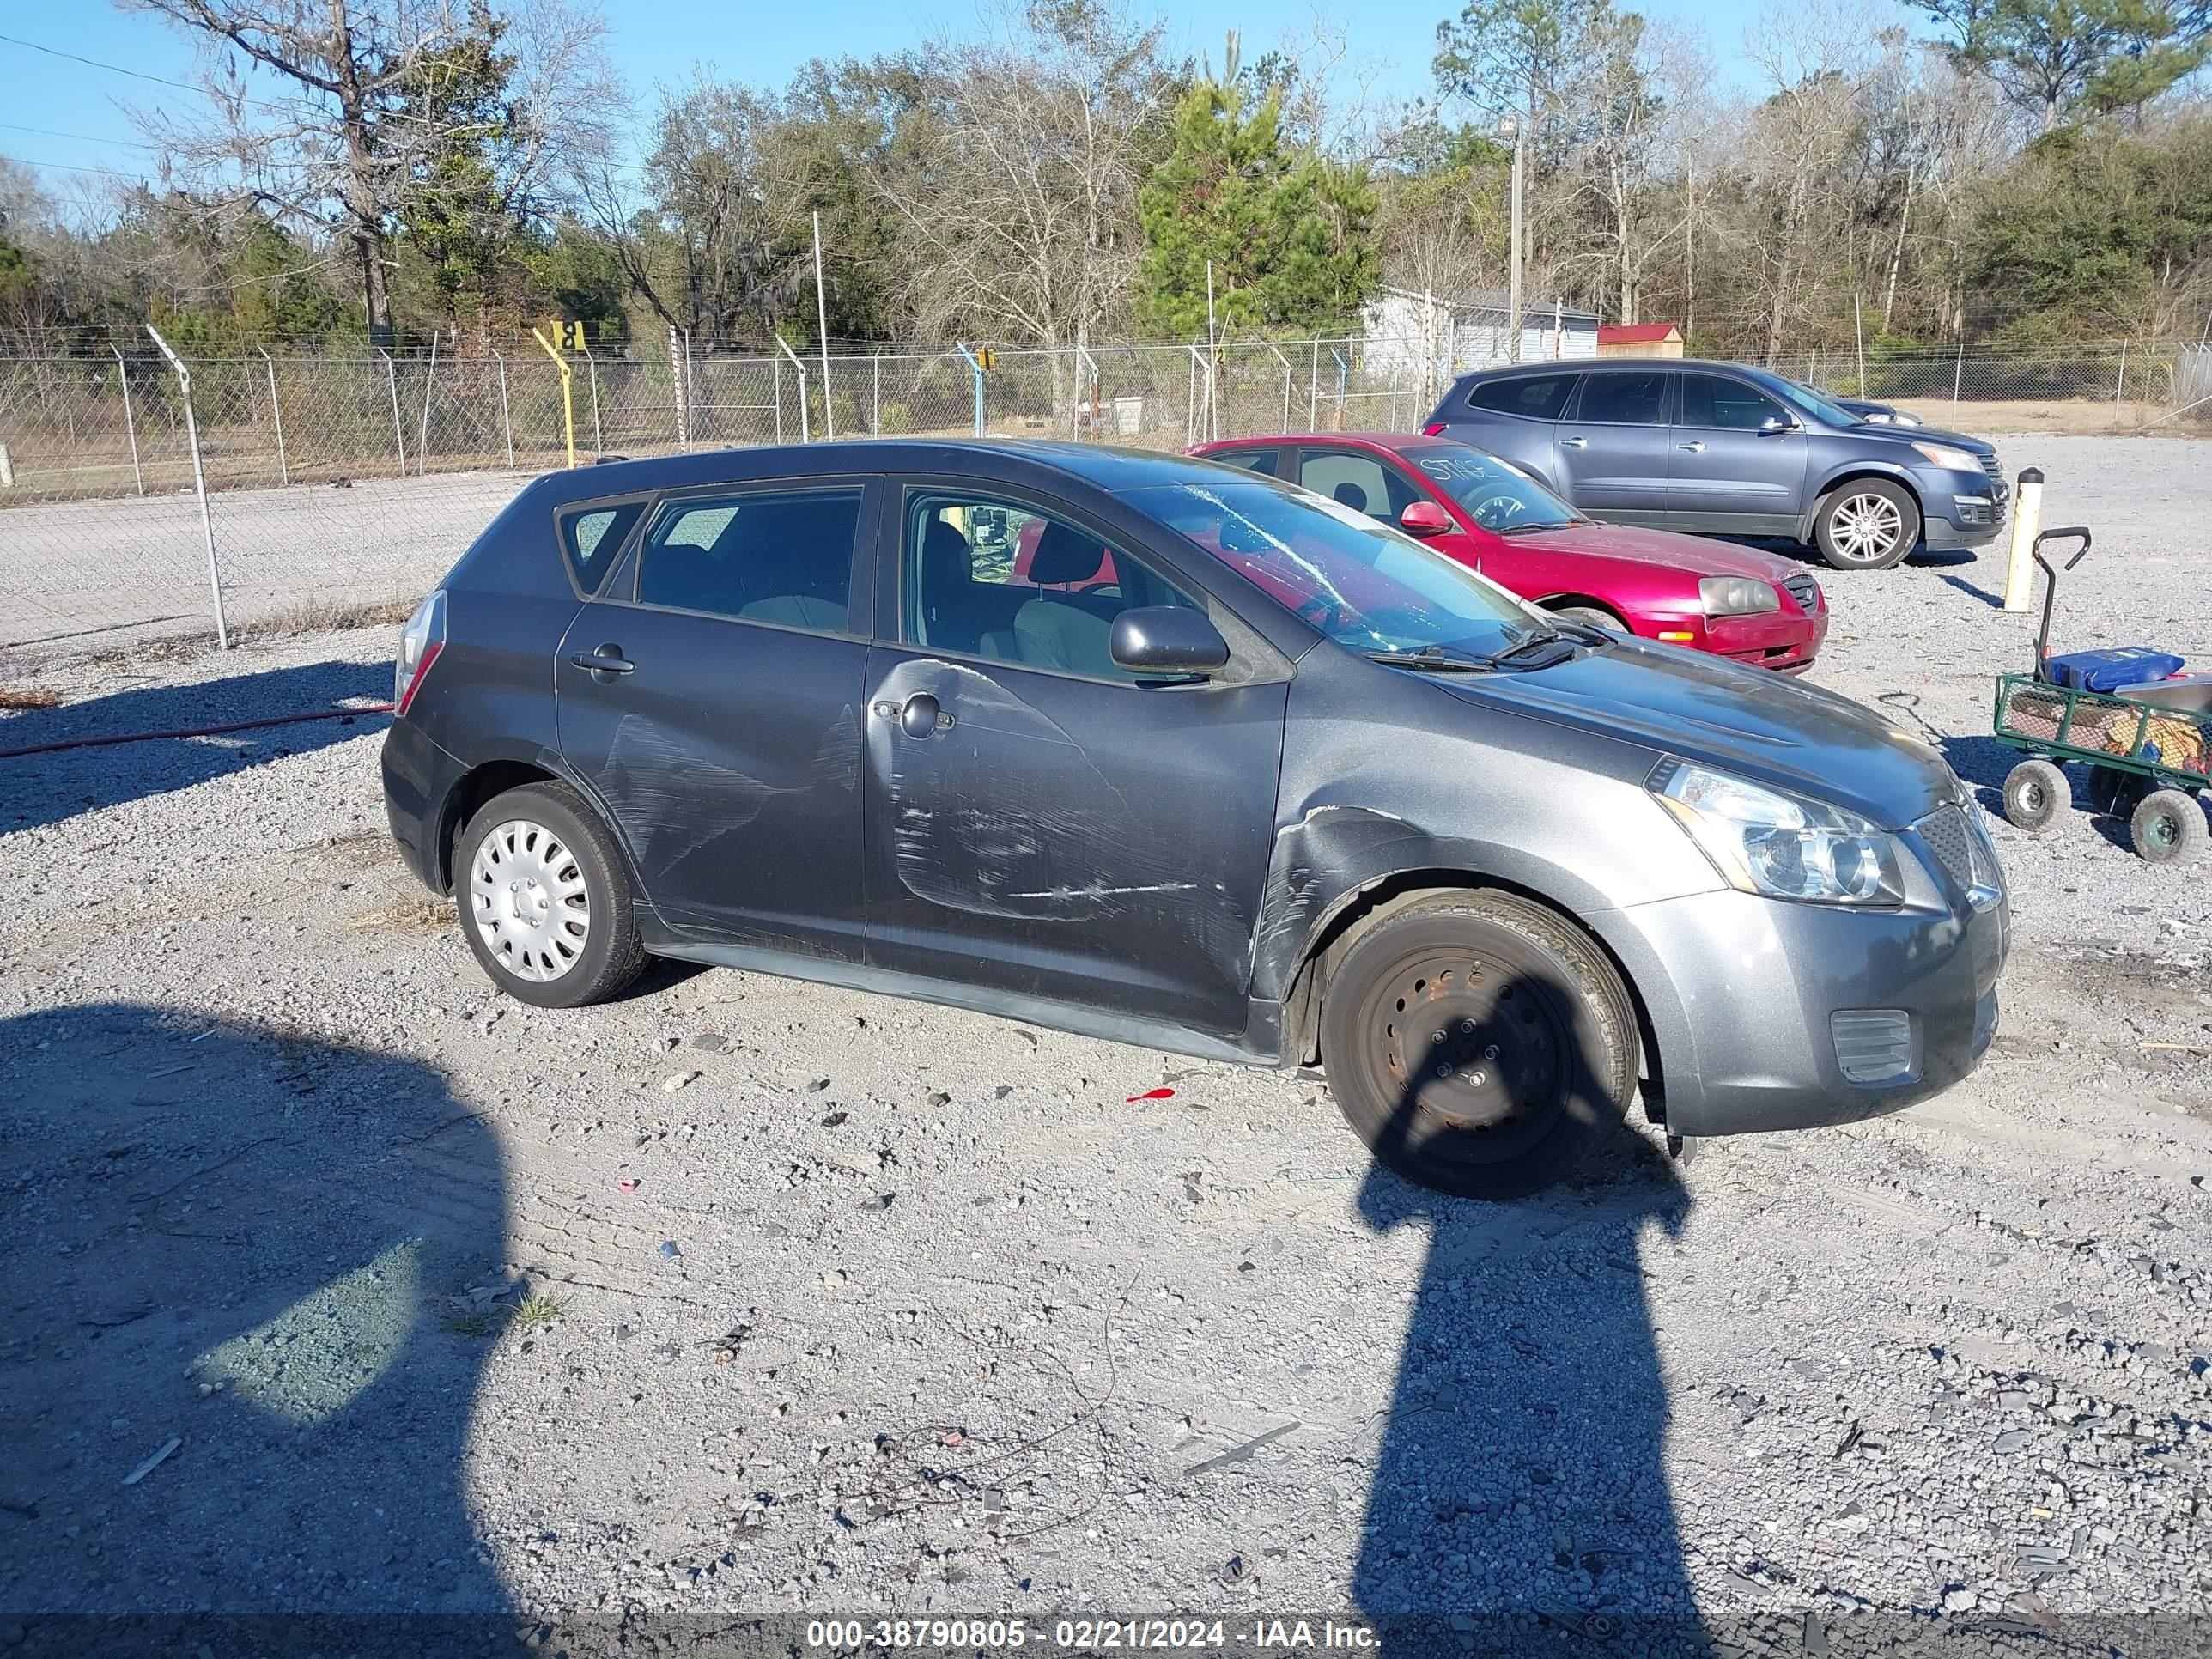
(1101, 465)
(1609, 365)
(1375, 439)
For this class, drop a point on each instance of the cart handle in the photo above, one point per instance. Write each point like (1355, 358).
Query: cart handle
(2061, 532)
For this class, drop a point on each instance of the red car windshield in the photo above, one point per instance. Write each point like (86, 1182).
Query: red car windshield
(1366, 586)
(1500, 498)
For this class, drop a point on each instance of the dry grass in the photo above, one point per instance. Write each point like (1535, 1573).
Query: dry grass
(328, 616)
(28, 697)
(407, 912)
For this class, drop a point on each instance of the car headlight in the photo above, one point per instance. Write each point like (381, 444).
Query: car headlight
(1737, 596)
(1950, 459)
(1781, 846)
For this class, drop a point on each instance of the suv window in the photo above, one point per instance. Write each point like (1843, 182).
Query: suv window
(988, 578)
(592, 537)
(1629, 398)
(782, 556)
(1358, 481)
(1532, 397)
(1714, 400)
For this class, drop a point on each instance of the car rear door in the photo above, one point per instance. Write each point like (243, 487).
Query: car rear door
(1514, 416)
(1040, 824)
(710, 696)
(1613, 445)
(1728, 468)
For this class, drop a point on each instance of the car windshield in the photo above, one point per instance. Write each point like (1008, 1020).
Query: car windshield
(1496, 495)
(1812, 401)
(1367, 587)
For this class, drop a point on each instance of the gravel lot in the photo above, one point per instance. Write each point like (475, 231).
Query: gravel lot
(745, 1295)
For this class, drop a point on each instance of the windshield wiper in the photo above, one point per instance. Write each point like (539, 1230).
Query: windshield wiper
(1553, 633)
(1527, 529)
(1432, 658)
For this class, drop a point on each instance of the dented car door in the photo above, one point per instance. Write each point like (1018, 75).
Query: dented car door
(1038, 821)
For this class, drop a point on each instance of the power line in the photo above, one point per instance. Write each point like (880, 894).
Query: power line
(81, 138)
(136, 74)
(55, 167)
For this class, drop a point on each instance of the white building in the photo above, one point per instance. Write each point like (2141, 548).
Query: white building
(1404, 332)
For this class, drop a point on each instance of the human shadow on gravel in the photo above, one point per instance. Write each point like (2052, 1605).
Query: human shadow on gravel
(47, 788)
(246, 1247)
(1520, 1499)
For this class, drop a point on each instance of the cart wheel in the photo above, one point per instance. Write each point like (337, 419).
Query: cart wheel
(2168, 827)
(2034, 791)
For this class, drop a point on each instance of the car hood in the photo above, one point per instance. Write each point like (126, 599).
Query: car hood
(1778, 731)
(1909, 435)
(1693, 555)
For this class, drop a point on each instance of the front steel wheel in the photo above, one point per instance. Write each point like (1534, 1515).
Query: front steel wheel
(1478, 1042)
(2035, 792)
(2168, 827)
(545, 904)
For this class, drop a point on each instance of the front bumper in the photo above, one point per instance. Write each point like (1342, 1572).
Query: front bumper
(1741, 990)
(418, 781)
(1962, 509)
(1786, 640)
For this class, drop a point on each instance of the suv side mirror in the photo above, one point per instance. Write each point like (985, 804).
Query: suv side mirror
(1424, 519)
(1165, 640)
(1776, 426)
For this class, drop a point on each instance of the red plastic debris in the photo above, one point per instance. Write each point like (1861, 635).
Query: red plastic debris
(1161, 1093)
(627, 1184)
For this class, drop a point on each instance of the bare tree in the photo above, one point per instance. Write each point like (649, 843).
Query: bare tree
(348, 139)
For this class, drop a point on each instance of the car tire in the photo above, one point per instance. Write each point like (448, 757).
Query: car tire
(1590, 617)
(1538, 1046)
(1869, 524)
(544, 900)
(2035, 792)
(2168, 828)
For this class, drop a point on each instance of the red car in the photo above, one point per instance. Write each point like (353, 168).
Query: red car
(1735, 602)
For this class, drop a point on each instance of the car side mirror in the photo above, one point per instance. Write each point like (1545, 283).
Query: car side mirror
(1424, 519)
(1774, 425)
(1166, 639)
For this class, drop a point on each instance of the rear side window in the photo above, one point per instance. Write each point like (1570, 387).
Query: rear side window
(592, 537)
(1532, 397)
(779, 556)
(1263, 461)
(1636, 397)
(1358, 481)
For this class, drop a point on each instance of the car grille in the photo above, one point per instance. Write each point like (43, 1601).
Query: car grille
(1945, 832)
(1804, 590)
(1998, 488)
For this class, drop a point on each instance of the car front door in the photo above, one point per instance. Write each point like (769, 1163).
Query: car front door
(710, 696)
(1040, 824)
(1738, 458)
(1389, 488)
(1613, 445)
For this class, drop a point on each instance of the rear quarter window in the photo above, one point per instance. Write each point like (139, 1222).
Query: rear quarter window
(591, 537)
(1532, 397)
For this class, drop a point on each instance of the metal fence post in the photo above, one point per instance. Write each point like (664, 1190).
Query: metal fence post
(430, 380)
(1313, 389)
(592, 369)
(1288, 374)
(975, 367)
(1343, 383)
(2122, 383)
(506, 421)
(1958, 375)
(876, 404)
(277, 418)
(676, 366)
(1088, 376)
(131, 426)
(399, 433)
(199, 484)
(805, 433)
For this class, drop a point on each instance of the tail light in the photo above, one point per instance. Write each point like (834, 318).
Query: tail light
(1433, 429)
(420, 643)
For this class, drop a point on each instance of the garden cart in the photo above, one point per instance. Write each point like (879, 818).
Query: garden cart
(2144, 727)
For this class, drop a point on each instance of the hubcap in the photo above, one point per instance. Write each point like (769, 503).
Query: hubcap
(1866, 526)
(2031, 796)
(1483, 1055)
(529, 901)
(2163, 831)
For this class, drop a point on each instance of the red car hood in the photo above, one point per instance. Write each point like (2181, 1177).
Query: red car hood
(1696, 554)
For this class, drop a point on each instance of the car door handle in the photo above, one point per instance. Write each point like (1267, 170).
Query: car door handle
(1697, 448)
(1574, 443)
(918, 716)
(607, 659)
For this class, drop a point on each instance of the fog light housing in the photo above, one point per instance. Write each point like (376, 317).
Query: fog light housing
(1874, 1045)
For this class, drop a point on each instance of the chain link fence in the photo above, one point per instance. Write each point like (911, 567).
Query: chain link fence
(142, 495)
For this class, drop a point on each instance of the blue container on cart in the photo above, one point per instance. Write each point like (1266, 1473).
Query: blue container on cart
(2108, 671)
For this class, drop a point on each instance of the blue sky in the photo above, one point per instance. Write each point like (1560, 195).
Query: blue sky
(79, 111)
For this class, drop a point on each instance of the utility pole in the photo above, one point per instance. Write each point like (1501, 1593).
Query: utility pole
(1516, 129)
